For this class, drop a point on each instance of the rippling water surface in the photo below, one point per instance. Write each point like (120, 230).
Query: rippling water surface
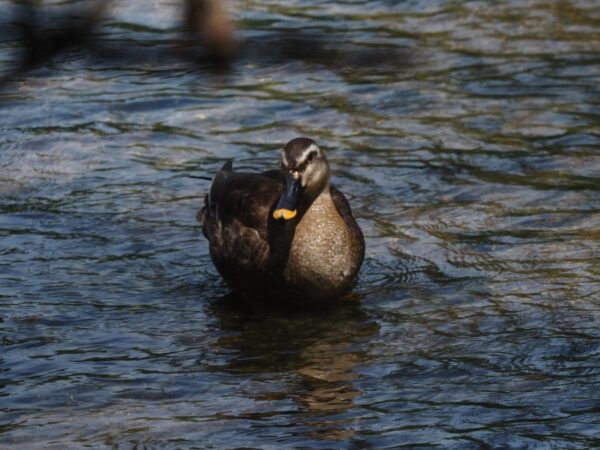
(467, 137)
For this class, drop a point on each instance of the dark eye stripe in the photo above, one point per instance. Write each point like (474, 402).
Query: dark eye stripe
(308, 159)
(300, 167)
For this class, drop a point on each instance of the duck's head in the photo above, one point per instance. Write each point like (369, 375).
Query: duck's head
(306, 173)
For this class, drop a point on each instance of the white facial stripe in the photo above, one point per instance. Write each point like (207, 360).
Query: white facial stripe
(307, 151)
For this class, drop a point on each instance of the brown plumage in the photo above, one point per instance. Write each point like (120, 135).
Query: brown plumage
(285, 235)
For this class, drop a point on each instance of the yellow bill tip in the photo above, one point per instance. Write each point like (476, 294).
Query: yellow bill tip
(285, 214)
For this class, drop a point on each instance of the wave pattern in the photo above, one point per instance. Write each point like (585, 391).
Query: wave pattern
(466, 135)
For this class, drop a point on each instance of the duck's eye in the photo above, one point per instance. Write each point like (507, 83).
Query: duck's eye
(311, 156)
(301, 167)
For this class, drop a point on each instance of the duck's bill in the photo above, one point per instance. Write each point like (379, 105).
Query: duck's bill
(287, 207)
(285, 214)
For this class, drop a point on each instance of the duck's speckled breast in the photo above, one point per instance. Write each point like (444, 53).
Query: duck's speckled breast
(325, 255)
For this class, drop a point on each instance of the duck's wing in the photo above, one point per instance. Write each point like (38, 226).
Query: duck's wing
(340, 202)
(237, 227)
(218, 183)
(343, 207)
(248, 198)
(208, 211)
(236, 210)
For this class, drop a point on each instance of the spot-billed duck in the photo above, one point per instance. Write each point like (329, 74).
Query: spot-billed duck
(283, 235)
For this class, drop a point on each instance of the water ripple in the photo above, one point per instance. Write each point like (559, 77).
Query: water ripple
(466, 137)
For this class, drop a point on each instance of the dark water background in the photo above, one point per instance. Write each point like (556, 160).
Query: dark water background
(466, 135)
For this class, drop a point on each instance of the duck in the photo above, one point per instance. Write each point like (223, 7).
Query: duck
(285, 235)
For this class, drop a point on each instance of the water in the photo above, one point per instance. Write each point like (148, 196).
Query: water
(467, 137)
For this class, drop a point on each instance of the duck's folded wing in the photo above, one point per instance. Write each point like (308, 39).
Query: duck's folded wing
(237, 227)
(343, 207)
(248, 199)
(340, 202)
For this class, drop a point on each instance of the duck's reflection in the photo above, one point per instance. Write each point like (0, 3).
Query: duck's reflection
(321, 350)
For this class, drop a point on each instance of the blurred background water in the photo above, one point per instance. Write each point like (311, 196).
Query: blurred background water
(466, 135)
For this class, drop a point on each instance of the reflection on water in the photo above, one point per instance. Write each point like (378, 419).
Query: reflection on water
(466, 136)
(320, 349)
